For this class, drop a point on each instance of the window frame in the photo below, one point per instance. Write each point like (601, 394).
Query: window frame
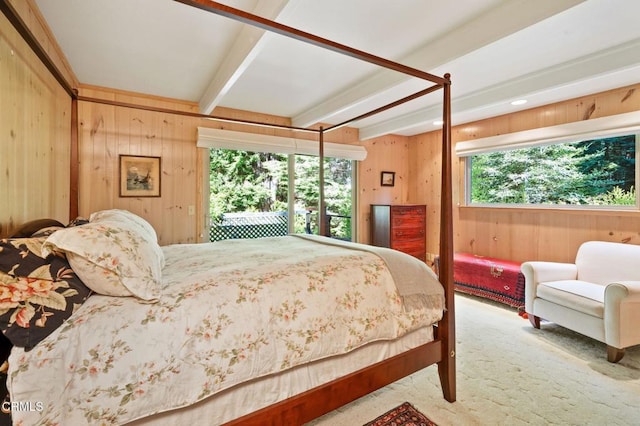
(599, 128)
(290, 164)
(636, 207)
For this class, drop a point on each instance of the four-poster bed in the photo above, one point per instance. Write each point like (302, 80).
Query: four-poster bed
(325, 396)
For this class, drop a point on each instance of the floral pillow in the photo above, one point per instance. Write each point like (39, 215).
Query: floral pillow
(141, 226)
(37, 293)
(111, 257)
(126, 216)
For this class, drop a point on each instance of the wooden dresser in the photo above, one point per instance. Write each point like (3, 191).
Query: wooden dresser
(400, 227)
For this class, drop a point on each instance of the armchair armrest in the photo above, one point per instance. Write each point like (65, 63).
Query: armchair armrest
(537, 272)
(541, 272)
(622, 290)
(622, 313)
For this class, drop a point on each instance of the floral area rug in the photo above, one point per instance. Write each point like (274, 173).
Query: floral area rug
(403, 415)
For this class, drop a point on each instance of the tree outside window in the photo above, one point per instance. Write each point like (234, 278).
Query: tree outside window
(597, 172)
(242, 181)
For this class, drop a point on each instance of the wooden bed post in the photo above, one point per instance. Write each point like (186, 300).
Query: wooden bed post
(74, 196)
(322, 214)
(446, 328)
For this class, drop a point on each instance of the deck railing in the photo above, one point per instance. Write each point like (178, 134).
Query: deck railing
(273, 224)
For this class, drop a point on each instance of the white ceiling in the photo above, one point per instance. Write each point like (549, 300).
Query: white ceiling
(496, 51)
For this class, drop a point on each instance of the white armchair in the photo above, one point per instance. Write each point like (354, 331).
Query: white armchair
(598, 295)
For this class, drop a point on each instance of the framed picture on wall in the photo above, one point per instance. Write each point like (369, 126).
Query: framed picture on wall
(139, 176)
(387, 178)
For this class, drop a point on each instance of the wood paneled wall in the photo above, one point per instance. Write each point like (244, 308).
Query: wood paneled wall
(106, 132)
(35, 123)
(521, 234)
(386, 153)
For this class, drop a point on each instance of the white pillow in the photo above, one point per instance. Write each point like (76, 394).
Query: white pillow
(111, 258)
(125, 216)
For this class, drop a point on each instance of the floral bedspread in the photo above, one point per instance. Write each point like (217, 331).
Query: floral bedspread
(228, 312)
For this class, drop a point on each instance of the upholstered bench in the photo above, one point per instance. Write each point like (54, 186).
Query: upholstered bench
(499, 280)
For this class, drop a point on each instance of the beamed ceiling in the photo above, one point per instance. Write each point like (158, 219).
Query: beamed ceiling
(496, 51)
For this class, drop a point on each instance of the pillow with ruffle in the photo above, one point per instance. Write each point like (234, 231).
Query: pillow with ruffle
(138, 223)
(126, 216)
(37, 292)
(111, 257)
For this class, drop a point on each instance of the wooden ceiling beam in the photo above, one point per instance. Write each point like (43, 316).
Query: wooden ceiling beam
(275, 27)
(248, 44)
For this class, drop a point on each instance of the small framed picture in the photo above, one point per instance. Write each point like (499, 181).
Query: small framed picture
(139, 176)
(387, 178)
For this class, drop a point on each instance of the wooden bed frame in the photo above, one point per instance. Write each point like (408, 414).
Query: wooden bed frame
(315, 402)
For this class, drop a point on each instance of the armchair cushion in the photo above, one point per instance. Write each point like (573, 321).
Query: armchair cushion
(581, 296)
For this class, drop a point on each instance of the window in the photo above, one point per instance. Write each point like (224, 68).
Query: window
(252, 195)
(338, 195)
(587, 163)
(595, 172)
(270, 184)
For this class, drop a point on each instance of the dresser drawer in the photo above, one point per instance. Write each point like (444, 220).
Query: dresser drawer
(408, 233)
(408, 216)
(408, 210)
(415, 248)
(409, 245)
(408, 222)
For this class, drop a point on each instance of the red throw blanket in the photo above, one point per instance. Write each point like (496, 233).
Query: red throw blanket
(495, 279)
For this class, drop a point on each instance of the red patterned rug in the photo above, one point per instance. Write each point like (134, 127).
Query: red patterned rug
(403, 415)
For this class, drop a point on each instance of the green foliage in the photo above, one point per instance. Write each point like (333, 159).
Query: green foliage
(337, 191)
(616, 197)
(244, 181)
(581, 173)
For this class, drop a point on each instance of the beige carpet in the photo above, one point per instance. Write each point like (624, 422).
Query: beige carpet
(512, 374)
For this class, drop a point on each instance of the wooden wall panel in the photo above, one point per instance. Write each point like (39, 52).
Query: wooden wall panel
(106, 132)
(425, 160)
(386, 153)
(33, 19)
(522, 234)
(35, 128)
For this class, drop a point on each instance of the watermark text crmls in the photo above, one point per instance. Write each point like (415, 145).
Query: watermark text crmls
(9, 406)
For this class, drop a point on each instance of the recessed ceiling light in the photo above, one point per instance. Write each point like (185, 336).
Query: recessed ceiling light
(438, 123)
(519, 102)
